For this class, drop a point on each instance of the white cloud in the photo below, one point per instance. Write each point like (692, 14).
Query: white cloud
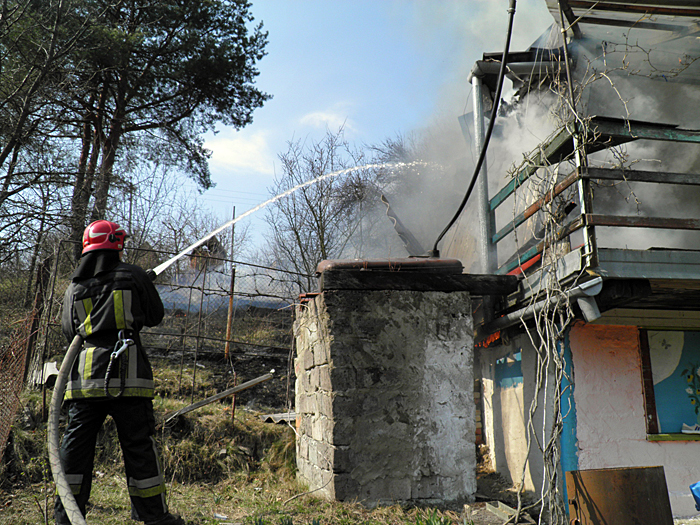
(242, 151)
(332, 119)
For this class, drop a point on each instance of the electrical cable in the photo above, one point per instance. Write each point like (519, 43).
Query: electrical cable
(494, 111)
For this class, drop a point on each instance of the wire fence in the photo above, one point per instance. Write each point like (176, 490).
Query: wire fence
(20, 321)
(232, 317)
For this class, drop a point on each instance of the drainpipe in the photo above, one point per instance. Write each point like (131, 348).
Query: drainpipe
(583, 293)
(487, 256)
(514, 71)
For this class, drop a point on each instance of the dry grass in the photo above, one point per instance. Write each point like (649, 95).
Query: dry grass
(218, 471)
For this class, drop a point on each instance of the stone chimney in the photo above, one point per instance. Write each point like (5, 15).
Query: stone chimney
(384, 390)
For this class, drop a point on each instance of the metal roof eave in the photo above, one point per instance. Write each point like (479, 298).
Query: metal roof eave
(664, 15)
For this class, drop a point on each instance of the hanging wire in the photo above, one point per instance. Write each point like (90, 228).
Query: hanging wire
(494, 111)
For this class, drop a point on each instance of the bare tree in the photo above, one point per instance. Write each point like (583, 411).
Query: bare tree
(319, 220)
(162, 218)
(37, 41)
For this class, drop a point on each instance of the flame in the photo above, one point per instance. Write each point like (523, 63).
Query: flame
(488, 340)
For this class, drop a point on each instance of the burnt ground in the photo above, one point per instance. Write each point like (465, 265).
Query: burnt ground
(277, 395)
(261, 339)
(272, 395)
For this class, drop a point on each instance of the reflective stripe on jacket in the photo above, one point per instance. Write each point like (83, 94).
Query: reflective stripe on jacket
(88, 375)
(98, 308)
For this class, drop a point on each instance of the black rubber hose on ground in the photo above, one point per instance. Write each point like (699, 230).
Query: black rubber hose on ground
(59, 476)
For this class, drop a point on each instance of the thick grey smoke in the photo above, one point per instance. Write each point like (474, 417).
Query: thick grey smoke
(426, 198)
(624, 73)
(643, 75)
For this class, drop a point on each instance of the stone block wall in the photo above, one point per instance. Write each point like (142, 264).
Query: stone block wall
(385, 396)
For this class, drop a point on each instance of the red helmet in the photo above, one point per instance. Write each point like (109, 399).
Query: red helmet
(103, 235)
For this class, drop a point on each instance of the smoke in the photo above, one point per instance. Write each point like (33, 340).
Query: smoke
(195, 289)
(425, 199)
(641, 75)
(476, 27)
(623, 73)
(427, 196)
(205, 288)
(425, 193)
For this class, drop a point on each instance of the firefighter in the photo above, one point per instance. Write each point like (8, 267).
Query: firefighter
(107, 303)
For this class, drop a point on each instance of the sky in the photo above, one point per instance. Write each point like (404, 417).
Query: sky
(380, 68)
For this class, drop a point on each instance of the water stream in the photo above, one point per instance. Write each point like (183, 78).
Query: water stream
(161, 267)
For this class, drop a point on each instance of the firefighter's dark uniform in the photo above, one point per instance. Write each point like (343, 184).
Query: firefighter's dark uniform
(105, 297)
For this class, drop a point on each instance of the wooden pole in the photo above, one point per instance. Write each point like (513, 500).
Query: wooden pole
(220, 395)
(229, 319)
(199, 324)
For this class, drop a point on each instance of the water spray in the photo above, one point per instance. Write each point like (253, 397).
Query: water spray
(162, 267)
(59, 475)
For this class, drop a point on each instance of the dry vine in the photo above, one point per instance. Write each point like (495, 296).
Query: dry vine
(548, 330)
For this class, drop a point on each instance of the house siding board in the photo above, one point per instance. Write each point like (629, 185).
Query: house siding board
(652, 319)
(611, 427)
(645, 130)
(649, 264)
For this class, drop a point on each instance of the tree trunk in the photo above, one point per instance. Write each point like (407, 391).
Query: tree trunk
(92, 140)
(109, 153)
(81, 192)
(37, 249)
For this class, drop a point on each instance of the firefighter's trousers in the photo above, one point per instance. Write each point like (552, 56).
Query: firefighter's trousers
(135, 427)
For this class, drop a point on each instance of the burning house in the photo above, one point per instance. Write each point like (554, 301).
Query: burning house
(587, 339)
(593, 362)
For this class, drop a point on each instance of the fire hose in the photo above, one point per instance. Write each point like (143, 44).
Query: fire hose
(484, 148)
(59, 475)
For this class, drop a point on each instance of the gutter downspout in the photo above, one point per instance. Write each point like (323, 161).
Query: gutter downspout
(583, 293)
(487, 255)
